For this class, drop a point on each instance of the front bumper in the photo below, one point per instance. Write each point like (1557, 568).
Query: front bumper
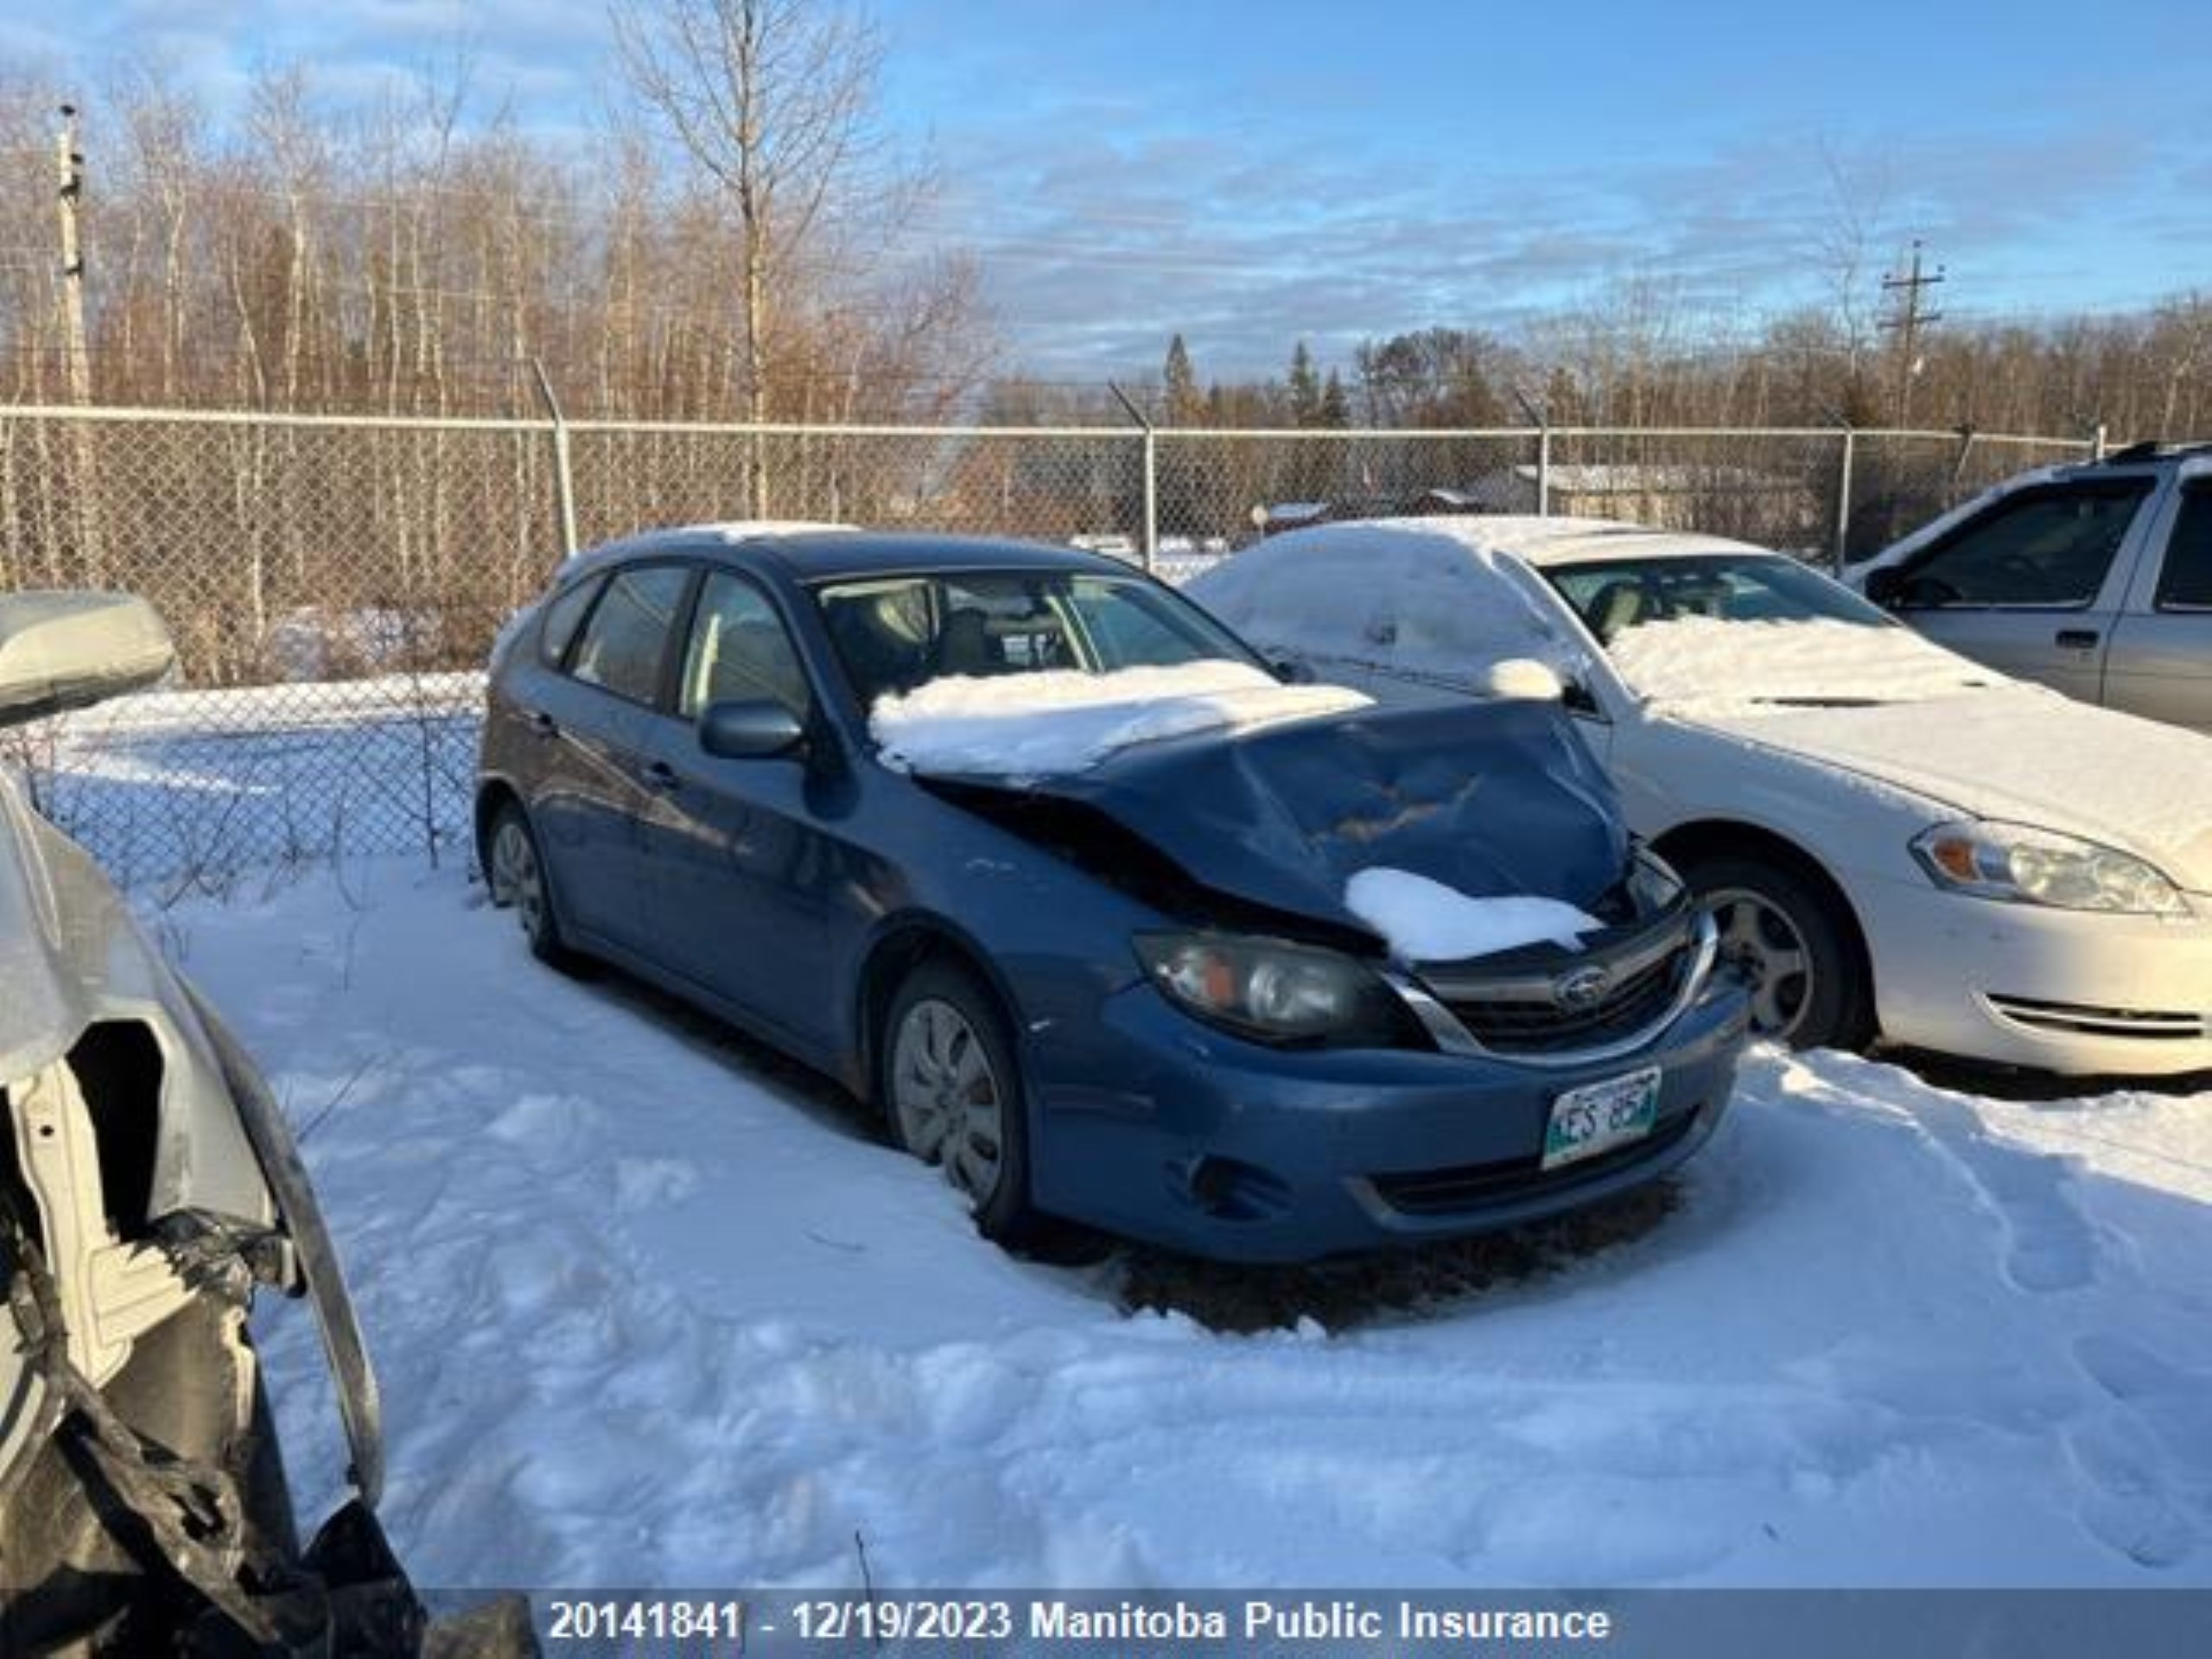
(2071, 992)
(1159, 1128)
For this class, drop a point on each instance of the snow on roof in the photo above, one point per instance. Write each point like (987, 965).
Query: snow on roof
(1447, 608)
(1062, 721)
(755, 530)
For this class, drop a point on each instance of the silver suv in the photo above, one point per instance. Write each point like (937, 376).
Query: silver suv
(2096, 579)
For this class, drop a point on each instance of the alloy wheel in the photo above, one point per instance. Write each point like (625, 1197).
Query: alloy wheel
(1761, 941)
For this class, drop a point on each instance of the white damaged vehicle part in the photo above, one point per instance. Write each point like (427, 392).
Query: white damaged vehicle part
(149, 1187)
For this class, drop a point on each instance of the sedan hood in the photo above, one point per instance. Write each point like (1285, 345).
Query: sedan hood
(2025, 755)
(1491, 799)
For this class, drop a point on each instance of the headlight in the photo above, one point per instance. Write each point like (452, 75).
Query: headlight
(2041, 867)
(1275, 991)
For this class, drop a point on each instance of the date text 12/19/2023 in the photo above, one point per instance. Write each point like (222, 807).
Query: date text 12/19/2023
(864, 1621)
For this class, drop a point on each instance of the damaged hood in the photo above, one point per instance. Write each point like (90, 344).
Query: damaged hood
(1491, 799)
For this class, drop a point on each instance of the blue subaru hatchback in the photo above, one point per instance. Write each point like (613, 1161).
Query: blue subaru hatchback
(1120, 982)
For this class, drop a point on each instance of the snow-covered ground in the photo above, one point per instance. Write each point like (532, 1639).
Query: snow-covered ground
(651, 1309)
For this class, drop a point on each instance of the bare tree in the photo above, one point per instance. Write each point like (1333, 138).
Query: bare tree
(774, 101)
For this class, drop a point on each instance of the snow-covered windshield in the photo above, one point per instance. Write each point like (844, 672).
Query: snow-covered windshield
(1619, 594)
(1752, 631)
(893, 633)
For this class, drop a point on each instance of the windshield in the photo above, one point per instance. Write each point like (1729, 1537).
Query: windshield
(1614, 597)
(893, 633)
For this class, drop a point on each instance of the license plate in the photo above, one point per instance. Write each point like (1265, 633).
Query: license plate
(1599, 1116)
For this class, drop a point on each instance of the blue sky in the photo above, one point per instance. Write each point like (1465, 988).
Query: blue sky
(1250, 172)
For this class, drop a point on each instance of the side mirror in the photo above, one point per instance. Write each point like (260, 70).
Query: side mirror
(1885, 587)
(1290, 670)
(750, 731)
(61, 651)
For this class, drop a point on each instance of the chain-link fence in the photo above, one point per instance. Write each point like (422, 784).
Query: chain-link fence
(334, 584)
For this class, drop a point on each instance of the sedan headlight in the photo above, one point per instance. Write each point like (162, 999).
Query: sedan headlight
(1272, 991)
(2041, 867)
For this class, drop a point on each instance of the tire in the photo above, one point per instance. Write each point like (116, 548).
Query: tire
(944, 1042)
(514, 870)
(1810, 987)
(69, 1579)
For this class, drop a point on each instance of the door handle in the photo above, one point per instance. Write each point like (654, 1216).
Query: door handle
(660, 775)
(542, 724)
(2078, 638)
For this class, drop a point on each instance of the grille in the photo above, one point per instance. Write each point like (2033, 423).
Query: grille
(1513, 1010)
(1444, 1192)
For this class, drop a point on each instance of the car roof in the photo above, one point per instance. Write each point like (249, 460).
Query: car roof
(1544, 542)
(812, 553)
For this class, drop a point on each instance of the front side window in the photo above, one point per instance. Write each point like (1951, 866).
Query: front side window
(626, 639)
(2041, 548)
(2185, 584)
(739, 652)
(894, 634)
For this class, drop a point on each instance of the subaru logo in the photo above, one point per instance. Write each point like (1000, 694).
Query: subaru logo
(1582, 988)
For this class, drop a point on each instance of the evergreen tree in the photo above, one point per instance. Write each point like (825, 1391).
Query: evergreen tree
(1181, 383)
(1336, 406)
(1305, 388)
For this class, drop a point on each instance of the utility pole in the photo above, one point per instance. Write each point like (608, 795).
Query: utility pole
(70, 163)
(1908, 316)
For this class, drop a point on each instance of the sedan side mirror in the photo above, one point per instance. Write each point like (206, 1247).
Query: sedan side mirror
(1290, 670)
(750, 731)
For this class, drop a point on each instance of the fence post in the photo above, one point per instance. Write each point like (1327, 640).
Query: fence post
(564, 487)
(1843, 498)
(1544, 470)
(2097, 440)
(1148, 541)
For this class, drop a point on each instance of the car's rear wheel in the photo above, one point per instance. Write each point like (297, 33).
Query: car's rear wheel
(515, 870)
(952, 1089)
(1799, 956)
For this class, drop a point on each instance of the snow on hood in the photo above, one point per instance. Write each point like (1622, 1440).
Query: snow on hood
(1705, 667)
(1426, 921)
(1044, 724)
(2023, 754)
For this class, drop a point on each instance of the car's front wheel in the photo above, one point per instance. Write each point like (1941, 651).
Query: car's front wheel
(1797, 953)
(952, 1089)
(515, 870)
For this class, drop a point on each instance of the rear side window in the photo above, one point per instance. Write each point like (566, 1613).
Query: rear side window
(562, 615)
(2186, 583)
(2048, 547)
(625, 641)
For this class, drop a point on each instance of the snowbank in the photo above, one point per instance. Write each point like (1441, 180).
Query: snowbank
(1426, 921)
(648, 1311)
(1036, 725)
(1714, 665)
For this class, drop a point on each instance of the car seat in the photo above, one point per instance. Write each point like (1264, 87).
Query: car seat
(966, 646)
